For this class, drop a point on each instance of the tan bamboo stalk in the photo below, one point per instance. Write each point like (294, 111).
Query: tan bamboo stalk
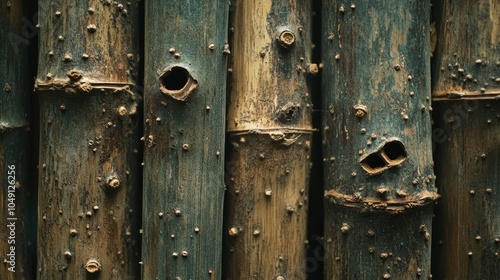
(17, 195)
(466, 84)
(89, 192)
(269, 130)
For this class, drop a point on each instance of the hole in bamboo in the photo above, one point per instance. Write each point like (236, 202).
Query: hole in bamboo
(373, 163)
(395, 151)
(177, 82)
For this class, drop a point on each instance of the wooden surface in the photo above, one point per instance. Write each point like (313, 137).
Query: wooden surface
(379, 179)
(467, 224)
(89, 191)
(466, 84)
(185, 91)
(269, 127)
(467, 50)
(17, 224)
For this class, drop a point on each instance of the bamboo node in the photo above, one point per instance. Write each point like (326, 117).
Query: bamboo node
(92, 266)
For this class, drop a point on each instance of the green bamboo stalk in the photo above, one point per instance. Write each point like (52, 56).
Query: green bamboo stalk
(269, 128)
(185, 82)
(379, 178)
(16, 190)
(89, 192)
(466, 134)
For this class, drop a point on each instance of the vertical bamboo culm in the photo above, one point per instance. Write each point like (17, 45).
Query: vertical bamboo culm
(89, 192)
(17, 226)
(185, 91)
(466, 88)
(269, 130)
(379, 180)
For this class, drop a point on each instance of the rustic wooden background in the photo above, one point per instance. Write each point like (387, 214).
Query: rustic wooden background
(247, 139)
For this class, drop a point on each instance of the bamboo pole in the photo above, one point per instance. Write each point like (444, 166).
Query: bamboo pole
(89, 192)
(16, 191)
(269, 130)
(185, 82)
(379, 178)
(466, 134)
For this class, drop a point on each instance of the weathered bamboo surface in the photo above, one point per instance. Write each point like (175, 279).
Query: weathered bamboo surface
(466, 137)
(269, 127)
(89, 192)
(467, 224)
(379, 176)
(16, 191)
(467, 50)
(185, 89)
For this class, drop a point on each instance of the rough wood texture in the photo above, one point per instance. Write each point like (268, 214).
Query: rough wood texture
(466, 134)
(376, 136)
(269, 126)
(468, 49)
(16, 191)
(467, 224)
(185, 91)
(89, 192)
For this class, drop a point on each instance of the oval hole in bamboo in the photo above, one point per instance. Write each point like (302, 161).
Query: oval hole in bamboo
(177, 82)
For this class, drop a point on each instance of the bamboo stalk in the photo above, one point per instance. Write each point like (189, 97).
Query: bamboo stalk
(379, 178)
(466, 134)
(269, 130)
(16, 191)
(89, 192)
(185, 83)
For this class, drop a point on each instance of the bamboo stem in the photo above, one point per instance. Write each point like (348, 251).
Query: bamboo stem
(269, 127)
(17, 193)
(185, 86)
(466, 137)
(379, 179)
(89, 202)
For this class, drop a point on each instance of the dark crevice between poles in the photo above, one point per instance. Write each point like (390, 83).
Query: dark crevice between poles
(315, 217)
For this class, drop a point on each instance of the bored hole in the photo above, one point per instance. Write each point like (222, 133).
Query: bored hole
(175, 79)
(395, 150)
(373, 162)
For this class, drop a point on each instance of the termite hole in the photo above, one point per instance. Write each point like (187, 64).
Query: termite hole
(174, 80)
(373, 162)
(395, 151)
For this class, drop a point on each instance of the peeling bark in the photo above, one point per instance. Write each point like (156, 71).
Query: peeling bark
(379, 178)
(270, 129)
(89, 192)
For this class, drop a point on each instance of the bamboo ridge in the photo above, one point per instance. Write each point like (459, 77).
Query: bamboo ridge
(269, 131)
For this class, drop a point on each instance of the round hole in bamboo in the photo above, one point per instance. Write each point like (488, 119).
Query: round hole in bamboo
(395, 151)
(177, 82)
(373, 163)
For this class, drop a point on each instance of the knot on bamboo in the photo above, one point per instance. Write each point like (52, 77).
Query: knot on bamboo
(383, 204)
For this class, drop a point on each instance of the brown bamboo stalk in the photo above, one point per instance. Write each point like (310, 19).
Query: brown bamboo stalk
(269, 129)
(89, 192)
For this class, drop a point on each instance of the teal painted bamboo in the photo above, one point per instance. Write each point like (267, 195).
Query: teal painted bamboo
(185, 84)
(377, 139)
(466, 134)
(16, 191)
(89, 192)
(269, 128)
